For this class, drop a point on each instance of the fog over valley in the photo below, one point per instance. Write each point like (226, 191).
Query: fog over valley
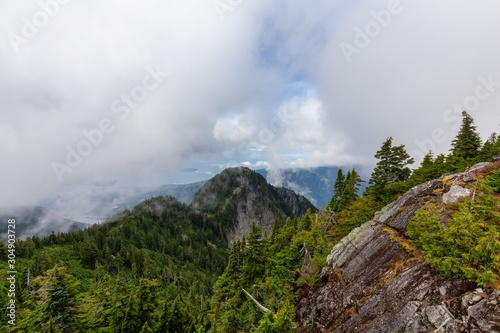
(143, 94)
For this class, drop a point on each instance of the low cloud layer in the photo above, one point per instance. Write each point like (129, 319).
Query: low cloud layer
(134, 92)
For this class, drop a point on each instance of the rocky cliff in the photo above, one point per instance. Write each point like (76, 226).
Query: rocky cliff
(376, 281)
(240, 196)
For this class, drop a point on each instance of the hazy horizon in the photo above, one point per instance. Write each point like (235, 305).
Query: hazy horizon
(127, 93)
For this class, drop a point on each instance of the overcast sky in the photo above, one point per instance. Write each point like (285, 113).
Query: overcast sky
(150, 92)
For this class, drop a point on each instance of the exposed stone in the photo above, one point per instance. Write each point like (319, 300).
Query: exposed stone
(400, 221)
(351, 244)
(496, 158)
(374, 283)
(470, 299)
(438, 316)
(479, 166)
(248, 198)
(485, 316)
(421, 190)
(456, 193)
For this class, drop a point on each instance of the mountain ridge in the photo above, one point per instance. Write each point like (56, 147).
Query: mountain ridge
(241, 196)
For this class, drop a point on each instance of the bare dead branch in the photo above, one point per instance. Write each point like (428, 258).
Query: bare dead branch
(263, 308)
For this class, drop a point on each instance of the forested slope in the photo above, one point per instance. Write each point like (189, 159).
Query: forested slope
(153, 266)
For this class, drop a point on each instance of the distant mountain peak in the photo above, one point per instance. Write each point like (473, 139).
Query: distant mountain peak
(240, 196)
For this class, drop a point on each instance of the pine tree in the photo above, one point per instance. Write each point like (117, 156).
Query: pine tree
(90, 253)
(430, 168)
(59, 307)
(284, 319)
(490, 148)
(391, 168)
(230, 279)
(276, 228)
(467, 143)
(454, 164)
(350, 193)
(173, 319)
(338, 189)
(117, 311)
(254, 264)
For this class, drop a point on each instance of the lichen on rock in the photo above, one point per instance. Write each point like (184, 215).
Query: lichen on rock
(372, 283)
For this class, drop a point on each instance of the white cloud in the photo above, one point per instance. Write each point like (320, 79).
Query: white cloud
(256, 165)
(253, 64)
(233, 128)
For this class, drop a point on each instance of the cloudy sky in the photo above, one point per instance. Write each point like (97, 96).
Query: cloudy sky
(152, 92)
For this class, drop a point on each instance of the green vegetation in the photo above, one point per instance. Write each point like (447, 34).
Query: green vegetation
(268, 268)
(166, 267)
(271, 268)
(345, 190)
(467, 244)
(467, 143)
(391, 170)
(151, 269)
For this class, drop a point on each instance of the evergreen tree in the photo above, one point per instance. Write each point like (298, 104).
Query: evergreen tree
(454, 164)
(173, 319)
(391, 168)
(90, 253)
(350, 193)
(117, 311)
(430, 168)
(467, 142)
(490, 148)
(284, 319)
(338, 189)
(253, 267)
(276, 228)
(59, 307)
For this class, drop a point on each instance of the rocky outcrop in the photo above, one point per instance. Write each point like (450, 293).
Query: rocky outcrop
(376, 281)
(456, 193)
(255, 205)
(243, 196)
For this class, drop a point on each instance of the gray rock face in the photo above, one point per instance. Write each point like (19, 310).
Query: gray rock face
(479, 166)
(438, 316)
(247, 197)
(345, 249)
(456, 193)
(411, 196)
(252, 206)
(375, 281)
(496, 158)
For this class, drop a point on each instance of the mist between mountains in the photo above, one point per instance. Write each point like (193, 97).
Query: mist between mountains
(121, 108)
